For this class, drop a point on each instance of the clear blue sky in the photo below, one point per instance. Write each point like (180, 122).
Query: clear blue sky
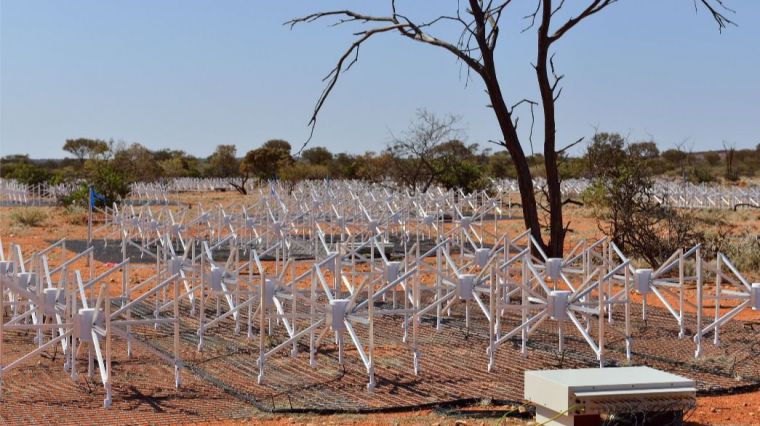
(190, 75)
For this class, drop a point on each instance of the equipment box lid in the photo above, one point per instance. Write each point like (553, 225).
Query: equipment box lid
(554, 388)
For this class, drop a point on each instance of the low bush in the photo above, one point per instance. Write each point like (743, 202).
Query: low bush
(629, 213)
(743, 250)
(76, 214)
(28, 217)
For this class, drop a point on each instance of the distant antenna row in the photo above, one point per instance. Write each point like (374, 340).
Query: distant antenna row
(674, 194)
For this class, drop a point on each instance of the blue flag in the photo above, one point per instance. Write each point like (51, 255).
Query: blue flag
(95, 196)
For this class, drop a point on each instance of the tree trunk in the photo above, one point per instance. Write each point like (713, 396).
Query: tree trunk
(553, 189)
(512, 143)
(511, 139)
(241, 187)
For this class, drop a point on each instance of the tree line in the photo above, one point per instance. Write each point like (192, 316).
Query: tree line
(432, 151)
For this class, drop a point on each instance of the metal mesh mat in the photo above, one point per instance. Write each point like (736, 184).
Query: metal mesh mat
(453, 363)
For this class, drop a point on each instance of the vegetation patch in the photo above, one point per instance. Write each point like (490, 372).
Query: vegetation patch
(33, 217)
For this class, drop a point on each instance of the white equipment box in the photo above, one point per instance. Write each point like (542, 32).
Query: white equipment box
(568, 397)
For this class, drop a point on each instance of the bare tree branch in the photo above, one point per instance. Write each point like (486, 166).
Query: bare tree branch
(532, 104)
(571, 145)
(532, 17)
(595, 7)
(396, 22)
(720, 18)
(334, 74)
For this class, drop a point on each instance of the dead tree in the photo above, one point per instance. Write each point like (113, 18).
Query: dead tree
(417, 146)
(730, 151)
(479, 21)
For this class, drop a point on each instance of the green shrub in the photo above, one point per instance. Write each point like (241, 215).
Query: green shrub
(77, 197)
(594, 196)
(25, 172)
(28, 217)
(108, 180)
(702, 174)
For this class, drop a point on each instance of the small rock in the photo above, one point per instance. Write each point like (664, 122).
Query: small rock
(713, 410)
(460, 423)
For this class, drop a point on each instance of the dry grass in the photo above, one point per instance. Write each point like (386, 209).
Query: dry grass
(76, 215)
(32, 217)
